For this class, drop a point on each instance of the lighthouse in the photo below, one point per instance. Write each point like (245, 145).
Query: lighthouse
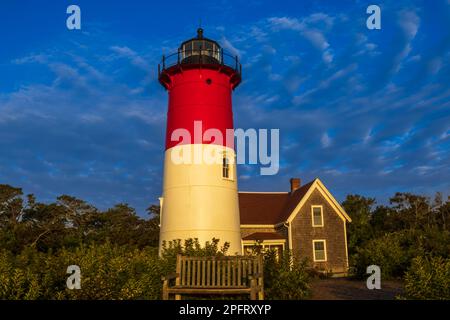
(200, 194)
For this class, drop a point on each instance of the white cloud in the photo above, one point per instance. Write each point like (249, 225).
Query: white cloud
(279, 23)
(91, 118)
(435, 65)
(258, 34)
(34, 58)
(325, 140)
(316, 38)
(227, 45)
(327, 57)
(135, 59)
(147, 115)
(409, 21)
(311, 28)
(415, 58)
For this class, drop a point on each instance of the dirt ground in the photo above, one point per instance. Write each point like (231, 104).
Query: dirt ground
(350, 289)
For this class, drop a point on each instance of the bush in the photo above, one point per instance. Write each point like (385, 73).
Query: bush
(114, 272)
(392, 253)
(285, 277)
(111, 272)
(428, 278)
(191, 247)
(26, 276)
(108, 271)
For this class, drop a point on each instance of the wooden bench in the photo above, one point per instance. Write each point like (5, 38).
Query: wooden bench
(216, 275)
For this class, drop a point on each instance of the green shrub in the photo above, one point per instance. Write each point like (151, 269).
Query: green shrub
(114, 272)
(428, 278)
(285, 277)
(25, 276)
(108, 271)
(392, 253)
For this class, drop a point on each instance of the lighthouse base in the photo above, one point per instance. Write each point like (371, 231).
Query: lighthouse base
(200, 200)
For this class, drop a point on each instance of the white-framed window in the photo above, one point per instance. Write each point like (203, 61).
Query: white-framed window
(248, 246)
(320, 250)
(317, 215)
(227, 168)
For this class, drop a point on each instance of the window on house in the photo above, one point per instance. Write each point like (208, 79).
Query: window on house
(225, 167)
(317, 216)
(252, 249)
(320, 250)
(278, 248)
(261, 247)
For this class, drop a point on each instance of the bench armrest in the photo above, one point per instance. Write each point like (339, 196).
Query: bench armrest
(170, 277)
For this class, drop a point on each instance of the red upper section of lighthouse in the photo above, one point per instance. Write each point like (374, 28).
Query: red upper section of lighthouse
(199, 82)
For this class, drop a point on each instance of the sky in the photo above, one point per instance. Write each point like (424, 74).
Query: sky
(366, 111)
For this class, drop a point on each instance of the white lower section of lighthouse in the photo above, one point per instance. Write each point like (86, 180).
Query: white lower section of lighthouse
(200, 198)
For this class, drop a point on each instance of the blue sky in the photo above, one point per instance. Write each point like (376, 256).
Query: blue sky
(366, 111)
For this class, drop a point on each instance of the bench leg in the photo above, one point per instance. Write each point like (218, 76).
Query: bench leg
(165, 291)
(261, 289)
(253, 290)
(261, 295)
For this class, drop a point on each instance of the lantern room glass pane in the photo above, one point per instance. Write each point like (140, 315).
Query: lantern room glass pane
(205, 48)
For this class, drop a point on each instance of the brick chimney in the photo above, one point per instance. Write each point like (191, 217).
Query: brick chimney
(295, 184)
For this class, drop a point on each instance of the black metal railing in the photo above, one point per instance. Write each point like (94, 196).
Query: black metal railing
(200, 56)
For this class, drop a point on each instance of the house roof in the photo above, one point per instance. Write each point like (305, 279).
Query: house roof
(269, 207)
(264, 236)
(261, 208)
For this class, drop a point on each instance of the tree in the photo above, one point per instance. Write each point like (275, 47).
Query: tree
(82, 219)
(13, 228)
(413, 211)
(121, 225)
(359, 209)
(442, 212)
(11, 206)
(47, 225)
(381, 220)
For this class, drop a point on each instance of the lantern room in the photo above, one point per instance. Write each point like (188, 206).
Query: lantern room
(198, 53)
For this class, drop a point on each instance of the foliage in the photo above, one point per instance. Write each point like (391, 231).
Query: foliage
(69, 222)
(428, 278)
(193, 248)
(117, 250)
(393, 236)
(392, 253)
(285, 277)
(108, 272)
(359, 231)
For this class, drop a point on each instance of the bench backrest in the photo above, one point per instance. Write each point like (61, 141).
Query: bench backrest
(217, 272)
